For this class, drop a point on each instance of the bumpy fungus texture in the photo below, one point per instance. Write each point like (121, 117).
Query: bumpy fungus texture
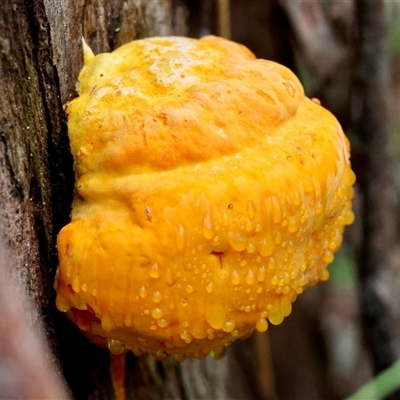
(209, 193)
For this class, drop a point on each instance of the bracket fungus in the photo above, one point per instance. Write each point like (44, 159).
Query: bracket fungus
(210, 191)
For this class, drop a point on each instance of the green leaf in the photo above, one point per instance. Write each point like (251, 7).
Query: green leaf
(381, 386)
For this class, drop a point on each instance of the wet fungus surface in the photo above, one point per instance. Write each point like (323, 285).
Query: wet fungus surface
(210, 191)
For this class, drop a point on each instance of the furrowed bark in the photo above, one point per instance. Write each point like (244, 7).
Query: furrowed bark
(371, 109)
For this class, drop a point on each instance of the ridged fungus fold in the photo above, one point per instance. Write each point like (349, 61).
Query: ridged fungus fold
(210, 191)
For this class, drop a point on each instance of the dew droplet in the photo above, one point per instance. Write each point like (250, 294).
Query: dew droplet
(237, 241)
(303, 280)
(162, 323)
(235, 277)
(250, 278)
(324, 275)
(218, 352)
(186, 337)
(274, 280)
(157, 313)
(229, 326)
(250, 248)
(210, 287)
(286, 306)
(143, 292)
(216, 317)
(154, 271)
(248, 308)
(348, 217)
(62, 303)
(261, 273)
(276, 316)
(293, 225)
(261, 325)
(327, 256)
(266, 246)
(349, 177)
(189, 289)
(249, 225)
(271, 263)
(157, 296)
(116, 346)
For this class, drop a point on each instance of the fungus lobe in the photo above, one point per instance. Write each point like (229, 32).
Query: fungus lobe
(210, 191)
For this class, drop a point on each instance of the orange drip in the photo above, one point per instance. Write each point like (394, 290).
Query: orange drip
(118, 374)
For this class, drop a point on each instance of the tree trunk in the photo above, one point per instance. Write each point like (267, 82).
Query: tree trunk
(41, 56)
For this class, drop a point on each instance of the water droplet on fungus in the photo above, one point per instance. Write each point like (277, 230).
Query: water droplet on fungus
(261, 273)
(157, 296)
(276, 316)
(237, 241)
(266, 246)
(216, 317)
(235, 277)
(250, 278)
(143, 292)
(154, 271)
(116, 346)
(162, 323)
(229, 326)
(261, 325)
(157, 313)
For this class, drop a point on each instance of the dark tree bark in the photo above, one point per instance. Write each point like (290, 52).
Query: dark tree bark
(40, 58)
(371, 122)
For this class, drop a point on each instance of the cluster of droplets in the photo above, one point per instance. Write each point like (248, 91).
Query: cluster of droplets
(264, 259)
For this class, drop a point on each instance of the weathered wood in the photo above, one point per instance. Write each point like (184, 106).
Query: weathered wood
(371, 123)
(326, 44)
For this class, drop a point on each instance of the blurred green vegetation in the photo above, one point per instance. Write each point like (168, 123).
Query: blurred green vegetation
(343, 270)
(381, 386)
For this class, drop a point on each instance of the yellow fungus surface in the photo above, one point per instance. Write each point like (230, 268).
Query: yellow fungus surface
(210, 191)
